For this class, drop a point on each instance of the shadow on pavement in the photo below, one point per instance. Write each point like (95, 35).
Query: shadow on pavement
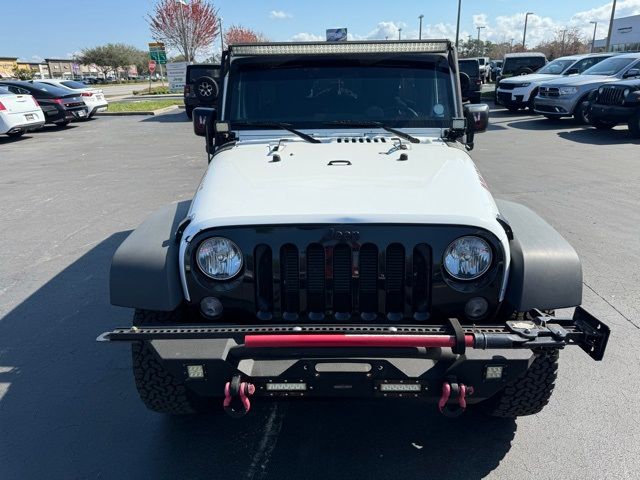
(68, 409)
(593, 136)
(540, 123)
(178, 116)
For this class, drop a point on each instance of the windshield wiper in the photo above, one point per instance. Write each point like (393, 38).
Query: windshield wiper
(372, 124)
(279, 125)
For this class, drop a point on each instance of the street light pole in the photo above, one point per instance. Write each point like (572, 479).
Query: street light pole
(593, 41)
(399, 34)
(524, 35)
(613, 12)
(185, 33)
(221, 40)
(458, 24)
(564, 32)
(480, 50)
(420, 31)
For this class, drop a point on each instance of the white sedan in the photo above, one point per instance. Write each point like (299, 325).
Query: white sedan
(93, 97)
(19, 113)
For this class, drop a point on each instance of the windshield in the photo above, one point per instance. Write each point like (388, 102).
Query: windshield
(481, 61)
(470, 67)
(50, 89)
(401, 92)
(610, 66)
(557, 66)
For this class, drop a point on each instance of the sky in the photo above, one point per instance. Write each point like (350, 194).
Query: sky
(30, 30)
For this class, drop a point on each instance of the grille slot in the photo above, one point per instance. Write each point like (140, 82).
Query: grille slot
(342, 281)
(264, 282)
(368, 292)
(290, 268)
(315, 281)
(394, 274)
(421, 281)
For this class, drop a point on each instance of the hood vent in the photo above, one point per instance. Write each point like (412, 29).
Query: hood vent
(361, 140)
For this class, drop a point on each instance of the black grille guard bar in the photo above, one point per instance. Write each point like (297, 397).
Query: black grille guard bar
(540, 331)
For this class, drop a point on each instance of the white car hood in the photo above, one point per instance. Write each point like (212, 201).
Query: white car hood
(437, 184)
(532, 77)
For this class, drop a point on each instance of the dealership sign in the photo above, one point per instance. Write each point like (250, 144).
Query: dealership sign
(177, 75)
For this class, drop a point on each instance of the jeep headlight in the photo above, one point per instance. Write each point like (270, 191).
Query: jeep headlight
(467, 258)
(219, 258)
(568, 90)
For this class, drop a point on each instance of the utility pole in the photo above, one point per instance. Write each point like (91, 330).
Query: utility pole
(480, 49)
(420, 31)
(593, 41)
(613, 12)
(524, 35)
(458, 24)
(399, 34)
(564, 32)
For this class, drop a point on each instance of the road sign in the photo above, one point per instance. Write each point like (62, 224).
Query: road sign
(336, 35)
(157, 52)
(152, 66)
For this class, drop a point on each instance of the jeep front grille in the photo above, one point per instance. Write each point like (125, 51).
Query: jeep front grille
(343, 281)
(611, 96)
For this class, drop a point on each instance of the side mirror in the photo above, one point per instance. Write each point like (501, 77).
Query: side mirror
(572, 71)
(633, 72)
(204, 125)
(477, 117)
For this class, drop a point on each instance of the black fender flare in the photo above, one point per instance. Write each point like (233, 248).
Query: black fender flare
(145, 271)
(545, 270)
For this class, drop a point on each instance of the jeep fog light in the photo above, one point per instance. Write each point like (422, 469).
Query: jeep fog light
(219, 258)
(476, 307)
(493, 372)
(195, 371)
(211, 307)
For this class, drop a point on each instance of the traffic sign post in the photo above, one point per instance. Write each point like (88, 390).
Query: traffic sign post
(152, 68)
(158, 54)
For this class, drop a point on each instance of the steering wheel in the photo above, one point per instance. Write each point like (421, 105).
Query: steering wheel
(400, 110)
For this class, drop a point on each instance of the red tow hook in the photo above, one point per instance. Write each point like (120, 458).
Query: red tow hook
(453, 401)
(236, 397)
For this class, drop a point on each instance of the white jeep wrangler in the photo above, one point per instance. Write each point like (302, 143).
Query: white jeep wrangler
(343, 243)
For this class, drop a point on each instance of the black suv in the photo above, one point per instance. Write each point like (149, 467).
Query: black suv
(470, 80)
(59, 106)
(616, 103)
(200, 89)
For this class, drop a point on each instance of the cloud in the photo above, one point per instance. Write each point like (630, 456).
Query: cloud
(37, 58)
(279, 14)
(307, 37)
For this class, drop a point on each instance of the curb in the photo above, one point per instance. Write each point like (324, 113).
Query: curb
(160, 111)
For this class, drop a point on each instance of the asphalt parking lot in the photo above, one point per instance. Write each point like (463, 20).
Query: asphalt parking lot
(68, 406)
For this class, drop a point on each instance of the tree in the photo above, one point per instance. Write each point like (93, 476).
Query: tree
(240, 34)
(569, 41)
(189, 28)
(23, 73)
(108, 58)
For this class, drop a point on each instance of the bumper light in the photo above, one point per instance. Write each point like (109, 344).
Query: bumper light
(195, 371)
(493, 372)
(400, 387)
(476, 308)
(286, 387)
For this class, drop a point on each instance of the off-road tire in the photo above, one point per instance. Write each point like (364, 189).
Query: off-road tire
(529, 393)
(159, 390)
(634, 125)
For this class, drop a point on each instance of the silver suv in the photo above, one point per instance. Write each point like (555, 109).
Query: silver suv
(566, 97)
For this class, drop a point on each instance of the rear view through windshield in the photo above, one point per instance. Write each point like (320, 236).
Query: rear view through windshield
(518, 65)
(195, 72)
(313, 93)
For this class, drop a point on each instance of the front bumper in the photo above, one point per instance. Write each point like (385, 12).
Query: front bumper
(357, 360)
(555, 105)
(615, 113)
(518, 97)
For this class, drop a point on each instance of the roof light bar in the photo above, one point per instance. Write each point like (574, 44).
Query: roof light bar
(333, 48)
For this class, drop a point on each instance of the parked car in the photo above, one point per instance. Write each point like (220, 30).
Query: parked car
(519, 92)
(324, 231)
(485, 72)
(200, 89)
(93, 97)
(18, 113)
(496, 67)
(59, 106)
(522, 63)
(615, 103)
(470, 80)
(568, 96)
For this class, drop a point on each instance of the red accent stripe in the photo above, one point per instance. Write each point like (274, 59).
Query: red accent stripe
(342, 340)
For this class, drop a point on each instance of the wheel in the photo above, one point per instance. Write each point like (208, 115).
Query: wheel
(581, 114)
(63, 124)
(189, 111)
(634, 125)
(528, 394)
(159, 390)
(206, 89)
(15, 134)
(602, 124)
(524, 71)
